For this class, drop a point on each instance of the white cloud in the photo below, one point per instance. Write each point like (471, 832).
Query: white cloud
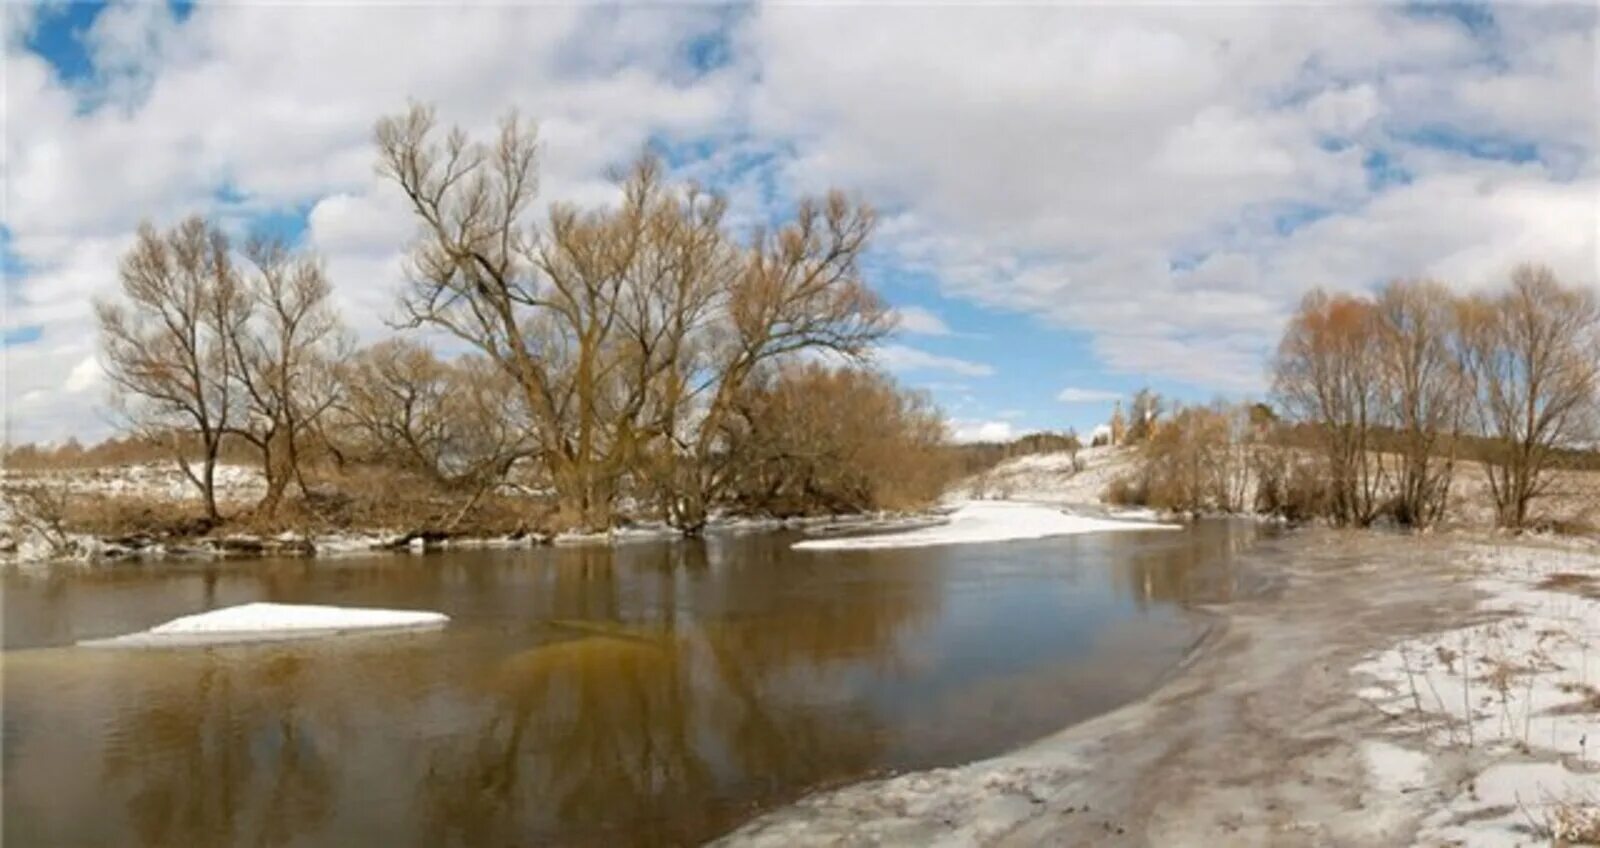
(84, 376)
(963, 431)
(240, 110)
(917, 320)
(1123, 172)
(1072, 394)
(900, 358)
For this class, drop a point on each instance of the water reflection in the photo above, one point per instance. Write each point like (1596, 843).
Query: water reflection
(655, 694)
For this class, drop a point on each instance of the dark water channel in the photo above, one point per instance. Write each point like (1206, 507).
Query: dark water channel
(655, 693)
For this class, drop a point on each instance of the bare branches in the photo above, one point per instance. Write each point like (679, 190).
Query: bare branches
(1533, 359)
(286, 344)
(166, 344)
(1326, 371)
(1416, 373)
(1423, 393)
(628, 330)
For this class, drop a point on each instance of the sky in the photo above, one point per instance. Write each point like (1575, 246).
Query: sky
(1075, 199)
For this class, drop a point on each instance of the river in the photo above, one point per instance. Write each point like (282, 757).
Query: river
(650, 693)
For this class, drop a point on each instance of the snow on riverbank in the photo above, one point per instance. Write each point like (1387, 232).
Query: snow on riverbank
(985, 521)
(1518, 691)
(271, 622)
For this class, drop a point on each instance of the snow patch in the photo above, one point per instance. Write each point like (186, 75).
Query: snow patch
(1520, 689)
(272, 622)
(986, 521)
(1052, 477)
(1395, 769)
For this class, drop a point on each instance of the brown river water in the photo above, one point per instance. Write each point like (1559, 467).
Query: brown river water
(656, 693)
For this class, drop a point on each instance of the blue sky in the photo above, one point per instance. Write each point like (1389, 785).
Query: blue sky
(1075, 201)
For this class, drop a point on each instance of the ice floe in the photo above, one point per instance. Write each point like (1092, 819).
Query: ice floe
(986, 521)
(272, 622)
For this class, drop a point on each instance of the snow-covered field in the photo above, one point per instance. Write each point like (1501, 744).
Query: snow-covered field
(272, 622)
(157, 481)
(1050, 477)
(1519, 689)
(985, 521)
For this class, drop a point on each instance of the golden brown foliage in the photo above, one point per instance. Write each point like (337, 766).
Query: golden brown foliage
(627, 331)
(819, 439)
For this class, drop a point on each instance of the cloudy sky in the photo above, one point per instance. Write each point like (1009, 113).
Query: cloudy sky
(1076, 199)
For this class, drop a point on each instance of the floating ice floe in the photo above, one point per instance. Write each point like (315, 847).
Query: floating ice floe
(986, 521)
(263, 622)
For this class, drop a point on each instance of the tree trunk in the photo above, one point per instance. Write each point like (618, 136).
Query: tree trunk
(208, 487)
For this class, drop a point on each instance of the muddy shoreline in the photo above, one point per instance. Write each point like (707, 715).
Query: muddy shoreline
(1256, 739)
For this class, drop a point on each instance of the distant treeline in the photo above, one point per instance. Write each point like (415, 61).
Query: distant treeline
(976, 457)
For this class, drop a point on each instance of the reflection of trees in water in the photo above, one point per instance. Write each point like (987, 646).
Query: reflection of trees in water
(672, 686)
(224, 761)
(666, 728)
(1196, 563)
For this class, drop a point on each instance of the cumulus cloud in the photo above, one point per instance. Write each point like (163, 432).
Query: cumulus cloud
(1164, 181)
(245, 111)
(1170, 180)
(965, 431)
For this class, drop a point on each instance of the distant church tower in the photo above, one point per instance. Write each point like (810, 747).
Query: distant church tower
(1119, 427)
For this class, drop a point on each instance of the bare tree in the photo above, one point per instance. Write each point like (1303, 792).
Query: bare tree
(819, 439)
(165, 343)
(798, 289)
(1326, 374)
(458, 424)
(1072, 446)
(393, 408)
(627, 331)
(1423, 393)
(286, 345)
(1533, 356)
(1144, 415)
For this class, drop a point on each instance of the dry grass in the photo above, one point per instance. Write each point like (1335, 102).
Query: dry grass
(1566, 821)
(1582, 585)
(356, 501)
(121, 516)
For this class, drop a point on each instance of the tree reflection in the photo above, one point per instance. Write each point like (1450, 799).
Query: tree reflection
(1196, 564)
(224, 760)
(649, 692)
(666, 728)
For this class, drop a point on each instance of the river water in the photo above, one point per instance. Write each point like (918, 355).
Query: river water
(652, 693)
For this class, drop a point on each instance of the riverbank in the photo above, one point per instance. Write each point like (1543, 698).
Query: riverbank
(147, 511)
(1291, 727)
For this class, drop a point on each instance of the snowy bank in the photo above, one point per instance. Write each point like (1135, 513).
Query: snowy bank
(272, 622)
(1052, 477)
(1518, 690)
(985, 521)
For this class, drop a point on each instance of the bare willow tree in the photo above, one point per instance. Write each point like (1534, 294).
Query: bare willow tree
(796, 289)
(626, 330)
(1533, 356)
(460, 425)
(1423, 393)
(286, 344)
(165, 344)
(1326, 374)
(814, 438)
